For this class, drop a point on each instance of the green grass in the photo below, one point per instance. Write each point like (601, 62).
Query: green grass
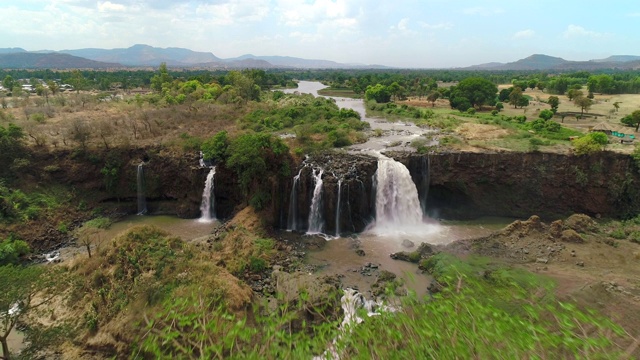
(339, 92)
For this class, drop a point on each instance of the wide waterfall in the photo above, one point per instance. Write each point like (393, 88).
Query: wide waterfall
(142, 201)
(207, 206)
(316, 220)
(398, 209)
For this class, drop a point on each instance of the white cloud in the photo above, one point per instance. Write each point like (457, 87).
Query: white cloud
(575, 31)
(479, 10)
(524, 34)
(438, 26)
(109, 6)
(234, 11)
(293, 13)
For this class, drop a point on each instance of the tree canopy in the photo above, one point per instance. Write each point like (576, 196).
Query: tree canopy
(476, 90)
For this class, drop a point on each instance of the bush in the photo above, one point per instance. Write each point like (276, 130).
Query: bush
(471, 111)
(11, 250)
(589, 144)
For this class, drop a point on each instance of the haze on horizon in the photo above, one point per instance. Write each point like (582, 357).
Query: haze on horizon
(405, 33)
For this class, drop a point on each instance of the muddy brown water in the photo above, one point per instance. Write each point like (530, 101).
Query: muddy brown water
(339, 257)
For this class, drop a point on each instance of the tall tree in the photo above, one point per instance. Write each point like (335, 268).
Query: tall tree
(515, 97)
(584, 103)
(478, 91)
(554, 102)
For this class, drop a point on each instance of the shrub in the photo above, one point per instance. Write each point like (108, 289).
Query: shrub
(11, 250)
(589, 144)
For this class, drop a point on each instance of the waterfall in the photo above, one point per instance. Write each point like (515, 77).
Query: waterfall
(316, 222)
(425, 175)
(207, 206)
(397, 203)
(142, 201)
(292, 220)
(338, 209)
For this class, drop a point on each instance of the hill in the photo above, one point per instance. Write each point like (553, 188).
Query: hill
(145, 55)
(546, 62)
(28, 60)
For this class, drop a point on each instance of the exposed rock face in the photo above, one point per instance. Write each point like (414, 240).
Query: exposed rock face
(462, 185)
(467, 185)
(357, 204)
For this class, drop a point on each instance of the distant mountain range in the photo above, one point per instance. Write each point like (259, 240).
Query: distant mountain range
(148, 56)
(546, 62)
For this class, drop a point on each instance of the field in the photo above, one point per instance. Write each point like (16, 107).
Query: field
(478, 131)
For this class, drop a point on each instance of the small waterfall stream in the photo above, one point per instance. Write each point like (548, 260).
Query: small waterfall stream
(338, 208)
(316, 221)
(207, 206)
(142, 201)
(292, 220)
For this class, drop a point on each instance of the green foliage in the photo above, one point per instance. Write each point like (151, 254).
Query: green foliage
(16, 205)
(215, 148)
(379, 93)
(546, 114)
(260, 200)
(251, 156)
(589, 144)
(477, 92)
(11, 250)
(99, 223)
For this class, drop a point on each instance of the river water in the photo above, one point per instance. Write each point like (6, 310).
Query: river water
(395, 135)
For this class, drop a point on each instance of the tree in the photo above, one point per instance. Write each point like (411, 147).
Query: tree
(215, 148)
(432, 97)
(589, 144)
(554, 102)
(477, 91)
(515, 97)
(583, 103)
(573, 93)
(77, 80)
(632, 119)
(378, 92)
(503, 95)
(9, 83)
(163, 77)
(616, 105)
(19, 285)
(546, 114)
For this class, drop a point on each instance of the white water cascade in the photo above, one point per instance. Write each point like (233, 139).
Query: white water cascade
(207, 206)
(316, 221)
(338, 208)
(398, 208)
(292, 220)
(142, 201)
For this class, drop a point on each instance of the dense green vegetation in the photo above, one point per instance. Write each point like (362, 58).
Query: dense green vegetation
(482, 308)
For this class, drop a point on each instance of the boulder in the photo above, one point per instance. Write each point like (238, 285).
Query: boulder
(581, 223)
(571, 236)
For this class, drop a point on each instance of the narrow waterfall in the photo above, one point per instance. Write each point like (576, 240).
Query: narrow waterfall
(292, 220)
(397, 204)
(142, 201)
(338, 208)
(425, 178)
(207, 206)
(316, 221)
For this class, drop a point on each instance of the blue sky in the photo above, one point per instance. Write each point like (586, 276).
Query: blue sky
(401, 33)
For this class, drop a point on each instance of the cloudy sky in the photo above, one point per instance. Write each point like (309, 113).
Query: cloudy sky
(401, 33)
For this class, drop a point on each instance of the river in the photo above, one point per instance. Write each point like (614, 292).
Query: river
(395, 135)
